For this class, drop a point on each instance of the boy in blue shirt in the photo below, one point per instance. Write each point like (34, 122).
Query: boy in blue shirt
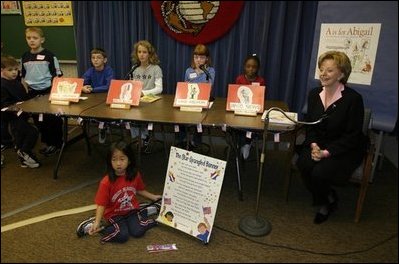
(97, 78)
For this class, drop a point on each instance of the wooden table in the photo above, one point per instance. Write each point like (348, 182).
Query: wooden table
(42, 105)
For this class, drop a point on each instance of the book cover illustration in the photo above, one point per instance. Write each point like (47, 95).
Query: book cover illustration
(192, 94)
(191, 192)
(250, 98)
(66, 89)
(126, 92)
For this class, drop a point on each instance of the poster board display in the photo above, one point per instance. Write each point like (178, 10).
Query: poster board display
(245, 99)
(192, 95)
(66, 90)
(191, 192)
(124, 93)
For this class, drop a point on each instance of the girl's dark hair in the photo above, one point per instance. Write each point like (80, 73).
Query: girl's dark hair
(126, 149)
(252, 57)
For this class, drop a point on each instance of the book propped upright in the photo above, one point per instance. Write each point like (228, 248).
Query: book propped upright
(279, 122)
(192, 97)
(245, 100)
(65, 90)
(149, 98)
(122, 94)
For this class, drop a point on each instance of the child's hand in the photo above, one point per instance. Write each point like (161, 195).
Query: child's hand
(87, 89)
(157, 197)
(95, 228)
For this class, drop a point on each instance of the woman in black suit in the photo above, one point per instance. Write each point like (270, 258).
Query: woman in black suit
(333, 148)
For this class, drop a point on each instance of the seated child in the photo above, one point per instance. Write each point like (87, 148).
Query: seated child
(250, 76)
(98, 78)
(12, 91)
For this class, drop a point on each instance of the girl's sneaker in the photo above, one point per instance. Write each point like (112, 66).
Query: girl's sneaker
(28, 160)
(84, 227)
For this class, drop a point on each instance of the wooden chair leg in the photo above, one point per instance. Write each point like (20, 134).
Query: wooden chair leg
(367, 165)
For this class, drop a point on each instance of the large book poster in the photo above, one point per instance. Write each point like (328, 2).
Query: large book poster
(358, 41)
(245, 98)
(191, 192)
(192, 94)
(124, 92)
(66, 89)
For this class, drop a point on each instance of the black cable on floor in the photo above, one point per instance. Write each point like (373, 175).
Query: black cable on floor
(311, 251)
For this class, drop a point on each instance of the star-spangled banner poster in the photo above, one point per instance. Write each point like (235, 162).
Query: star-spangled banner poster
(191, 192)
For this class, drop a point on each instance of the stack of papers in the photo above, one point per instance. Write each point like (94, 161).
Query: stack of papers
(279, 122)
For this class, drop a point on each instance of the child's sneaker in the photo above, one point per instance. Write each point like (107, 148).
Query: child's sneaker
(245, 151)
(147, 146)
(28, 160)
(49, 151)
(153, 209)
(84, 227)
(101, 135)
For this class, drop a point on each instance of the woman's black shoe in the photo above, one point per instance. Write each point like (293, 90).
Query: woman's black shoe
(320, 218)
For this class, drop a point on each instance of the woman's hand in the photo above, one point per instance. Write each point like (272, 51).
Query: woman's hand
(317, 153)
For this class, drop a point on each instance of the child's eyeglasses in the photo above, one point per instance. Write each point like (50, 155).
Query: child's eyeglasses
(199, 57)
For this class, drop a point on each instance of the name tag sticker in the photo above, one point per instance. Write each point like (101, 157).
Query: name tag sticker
(40, 57)
(192, 75)
(249, 134)
(277, 137)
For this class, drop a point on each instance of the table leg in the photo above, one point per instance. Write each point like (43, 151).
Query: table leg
(64, 141)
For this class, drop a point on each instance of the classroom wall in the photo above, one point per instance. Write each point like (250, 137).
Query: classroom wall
(69, 69)
(59, 39)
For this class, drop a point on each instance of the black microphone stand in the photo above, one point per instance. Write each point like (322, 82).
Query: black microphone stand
(134, 67)
(255, 225)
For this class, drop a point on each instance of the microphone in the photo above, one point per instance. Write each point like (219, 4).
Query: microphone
(208, 75)
(129, 75)
(324, 116)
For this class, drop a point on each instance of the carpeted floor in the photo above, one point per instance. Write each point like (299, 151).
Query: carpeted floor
(294, 237)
